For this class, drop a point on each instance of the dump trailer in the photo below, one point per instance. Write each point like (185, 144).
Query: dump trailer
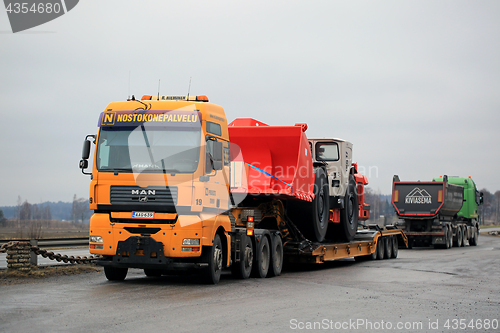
(174, 186)
(442, 212)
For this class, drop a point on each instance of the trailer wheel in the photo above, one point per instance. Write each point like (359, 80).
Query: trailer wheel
(395, 246)
(388, 247)
(374, 255)
(152, 272)
(115, 273)
(381, 248)
(474, 237)
(243, 268)
(214, 255)
(276, 265)
(349, 215)
(262, 258)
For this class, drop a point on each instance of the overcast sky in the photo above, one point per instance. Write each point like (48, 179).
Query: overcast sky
(414, 85)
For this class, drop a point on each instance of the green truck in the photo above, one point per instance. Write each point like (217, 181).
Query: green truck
(442, 213)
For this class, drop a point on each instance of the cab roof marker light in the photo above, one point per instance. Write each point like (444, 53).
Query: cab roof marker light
(200, 98)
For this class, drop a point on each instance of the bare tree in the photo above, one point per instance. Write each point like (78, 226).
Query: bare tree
(3, 220)
(80, 209)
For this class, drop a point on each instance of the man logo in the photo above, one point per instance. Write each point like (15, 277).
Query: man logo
(418, 196)
(144, 194)
(28, 14)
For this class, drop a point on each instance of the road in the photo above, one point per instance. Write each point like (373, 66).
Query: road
(423, 290)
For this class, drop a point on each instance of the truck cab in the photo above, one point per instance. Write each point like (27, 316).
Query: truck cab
(159, 187)
(336, 155)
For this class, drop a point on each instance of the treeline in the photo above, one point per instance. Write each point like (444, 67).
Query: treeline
(61, 211)
(30, 219)
(382, 211)
(490, 209)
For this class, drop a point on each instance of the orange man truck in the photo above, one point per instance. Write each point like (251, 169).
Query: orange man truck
(174, 186)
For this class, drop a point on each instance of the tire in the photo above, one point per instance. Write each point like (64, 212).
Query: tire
(474, 238)
(214, 256)
(115, 273)
(349, 215)
(395, 247)
(388, 247)
(458, 237)
(381, 248)
(462, 236)
(243, 268)
(374, 255)
(450, 237)
(312, 217)
(276, 265)
(465, 235)
(262, 258)
(152, 272)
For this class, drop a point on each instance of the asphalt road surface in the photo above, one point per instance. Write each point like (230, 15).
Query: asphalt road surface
(423, 290)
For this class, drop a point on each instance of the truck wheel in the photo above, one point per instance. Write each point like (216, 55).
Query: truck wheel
(262, 258)
(214, 255)
(349, 215)
(450, 237)
(458, 237)
(474, 237)
(312, 217)
(320, 207)
(464, 235)
(152, 272)
(395, 246)
(276, 265)
(243, 268)
(388, 247)
(115, 273)
(381, 248)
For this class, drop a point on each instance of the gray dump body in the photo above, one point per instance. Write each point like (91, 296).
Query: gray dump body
(426, 199)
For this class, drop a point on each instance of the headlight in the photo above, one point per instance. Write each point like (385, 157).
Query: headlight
(191, 241)
(95, 239)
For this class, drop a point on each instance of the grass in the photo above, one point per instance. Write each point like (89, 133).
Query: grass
(13, 276)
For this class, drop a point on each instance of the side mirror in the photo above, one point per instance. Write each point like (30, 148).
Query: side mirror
(84, 163)
(218, 156)
(86, 150)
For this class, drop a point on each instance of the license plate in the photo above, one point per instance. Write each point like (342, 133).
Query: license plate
(143, 215)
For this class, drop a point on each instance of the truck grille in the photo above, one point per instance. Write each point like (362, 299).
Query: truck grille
(153, 195)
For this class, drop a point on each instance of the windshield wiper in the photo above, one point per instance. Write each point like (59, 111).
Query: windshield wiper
(117, 169)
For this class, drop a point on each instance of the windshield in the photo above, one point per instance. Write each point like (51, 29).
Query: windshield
(327, 151)
(148, 149)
